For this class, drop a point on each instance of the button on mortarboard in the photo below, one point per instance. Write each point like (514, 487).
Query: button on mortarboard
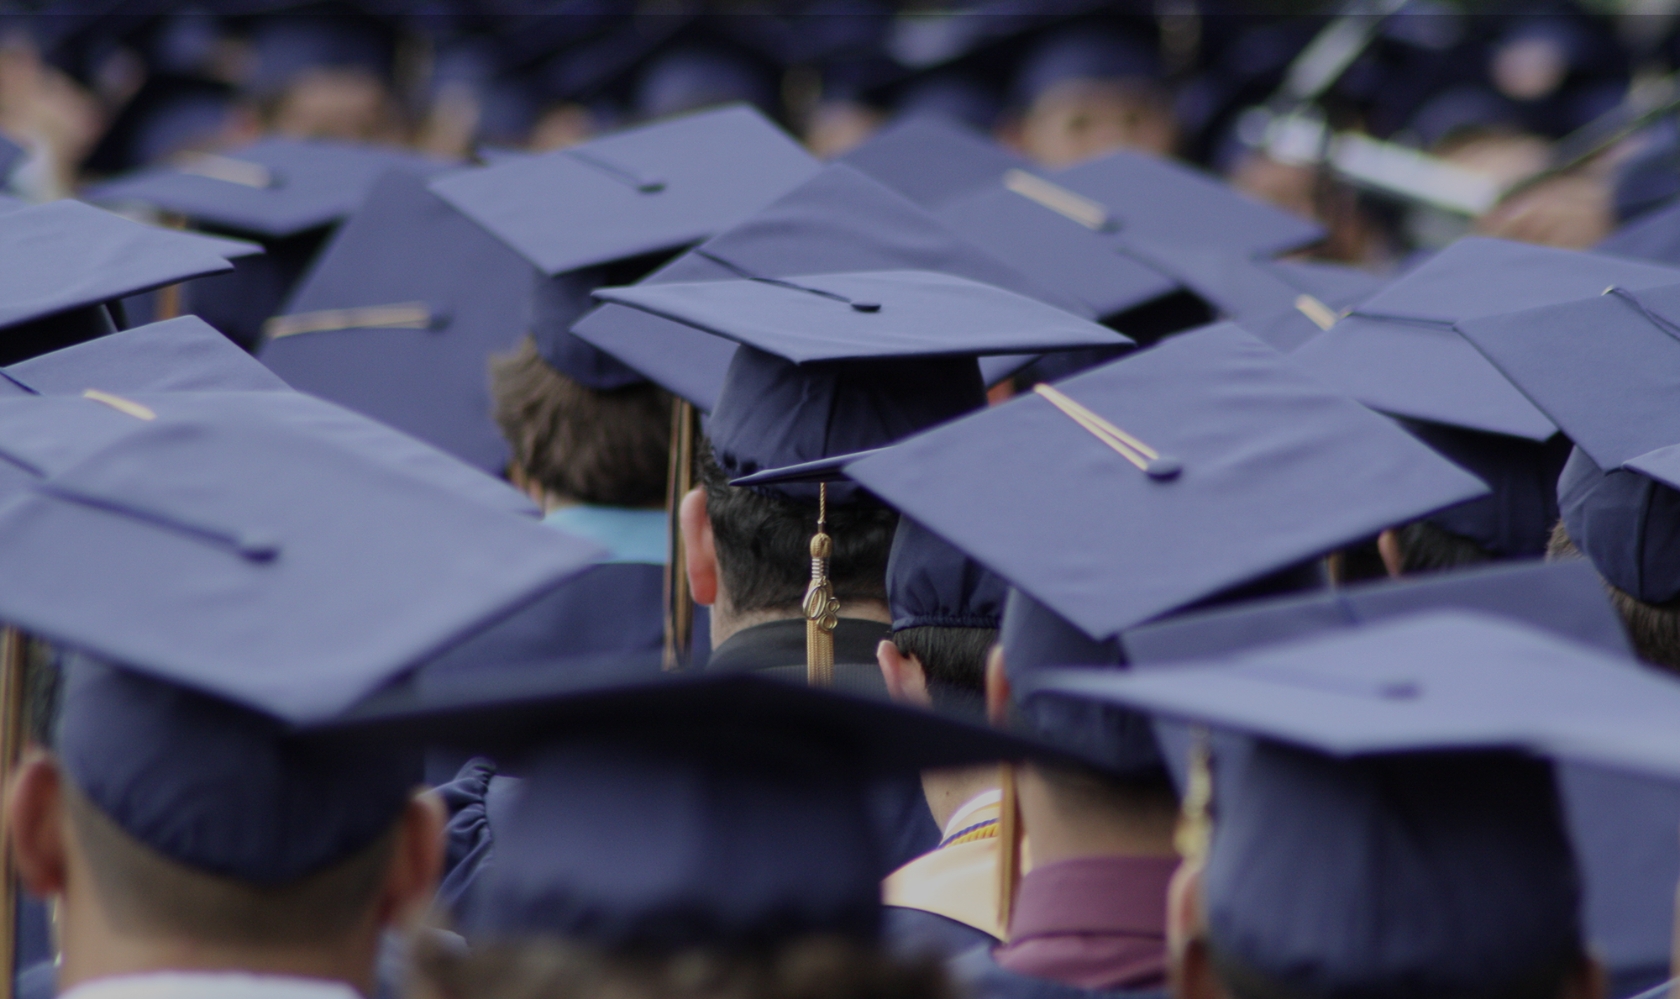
(839, 220)
(1248, 429)
(60, 263)
(655, 188)
(1399, 354)
(400, 315)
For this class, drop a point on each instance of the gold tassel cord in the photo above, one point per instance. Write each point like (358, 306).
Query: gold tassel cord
(679, 604)
(822, 610)
(1009, 847)
(1146, 458)
(1321, 315)
(1068, 204)
(403, 315)
(13, 652)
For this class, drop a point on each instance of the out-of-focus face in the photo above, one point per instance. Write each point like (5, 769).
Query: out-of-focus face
(1078, 119)
(346, 104)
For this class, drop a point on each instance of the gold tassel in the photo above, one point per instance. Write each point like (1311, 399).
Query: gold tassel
(1009, 847)
(679, 604)
(822, 611)
(1195, 818)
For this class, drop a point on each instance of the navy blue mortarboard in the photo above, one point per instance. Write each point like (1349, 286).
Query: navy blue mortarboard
(839, 220)
(270, 189)
(1516, 518)
(620, 200)
(1082, 52)
(1399, 354)
(1618, 493)
(286, 45)
(837, 363)
(930, 584)
(932, 160)
(1420, 702)
(184, 354)
(399, 317)
(233, 576)
(645, 190)
(1111, 524)
(1250, 292)
(663, 812)
(60, 263)
(1106, 231)
(690, 77)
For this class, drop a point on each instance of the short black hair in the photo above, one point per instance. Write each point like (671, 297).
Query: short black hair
(764, 544)
(953, 659)
(1426, 547)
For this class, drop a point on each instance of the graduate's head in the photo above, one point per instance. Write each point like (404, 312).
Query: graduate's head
(159, 814)
(1086, 91)
(946, 609)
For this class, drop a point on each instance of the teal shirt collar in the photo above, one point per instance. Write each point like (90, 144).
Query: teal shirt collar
(637, 536)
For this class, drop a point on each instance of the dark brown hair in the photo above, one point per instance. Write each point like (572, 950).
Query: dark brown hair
(810, 968)
(604, 447)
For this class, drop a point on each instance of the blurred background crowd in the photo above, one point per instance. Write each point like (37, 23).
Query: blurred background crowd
(1562, 103)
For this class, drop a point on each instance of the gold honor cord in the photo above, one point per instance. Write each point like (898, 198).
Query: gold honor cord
(679, 603)
(1147, 459)
(822, 611)
(1088, 213)
(1322, 315)
(1195, 819)
(403, 315)
(13, 722)
(226, 169)
(121, 405)
(1010, 833)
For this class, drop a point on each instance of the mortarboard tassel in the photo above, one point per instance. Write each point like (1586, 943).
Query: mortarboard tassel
(822, 611)
(1009, 848)
(679, 604)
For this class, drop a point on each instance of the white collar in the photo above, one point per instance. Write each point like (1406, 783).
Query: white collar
(210, 985)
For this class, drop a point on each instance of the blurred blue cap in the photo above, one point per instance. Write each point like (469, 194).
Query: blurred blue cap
(400, 315)
(932, 159)
(690, 77)
(1113, 498)
(839, 220)
(271, 189)
(61, 262)
(287, 45)
(652, 189)
(1398, 351)
(1082, 52)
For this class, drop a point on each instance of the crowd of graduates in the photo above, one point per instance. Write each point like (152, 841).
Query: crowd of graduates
(1048, 501)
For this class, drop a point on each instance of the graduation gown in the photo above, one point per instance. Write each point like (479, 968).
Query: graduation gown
(980, 977)
(945, 901)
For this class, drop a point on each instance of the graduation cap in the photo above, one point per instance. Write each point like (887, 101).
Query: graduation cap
(839, 220)
(1653, 236)
(622, 200)
(399, 317)
(1314, 295)
(1617, 493)
(286, 44)
(1398, 353)
(1392, 726)
(660, 812)
(1258, 465)
(1083, 52)
(62, 263)
(931, 584)
(170, 112)
(177, 355)
(284, 192)
(931, 159)
(232, 575)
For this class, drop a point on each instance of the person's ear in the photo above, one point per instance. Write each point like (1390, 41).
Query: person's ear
(905, 678)
(1388, 546)
(1589, 980)
(1190, 973)
(35, 823)
(997, 688)
(699, 551)
(416, 862)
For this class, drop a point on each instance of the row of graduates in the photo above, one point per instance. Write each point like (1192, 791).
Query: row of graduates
(266, 606)
(1503, 97)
